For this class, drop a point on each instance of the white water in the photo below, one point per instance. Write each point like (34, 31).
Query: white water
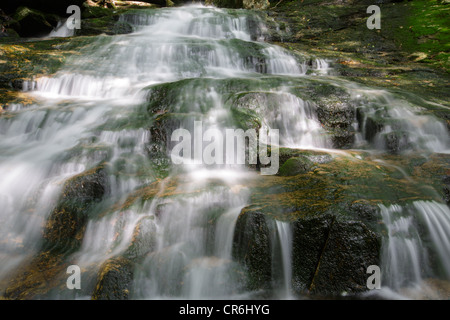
(284, 232)
(92, 114)
(62, 30)
(418, 131)
(84, 122)
(296, 121)
(407, 261)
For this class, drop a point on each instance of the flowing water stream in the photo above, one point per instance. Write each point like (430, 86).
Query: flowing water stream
(94, 111)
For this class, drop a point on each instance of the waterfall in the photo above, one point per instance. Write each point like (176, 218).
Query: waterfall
(284, 232)
(194, 247)
(296, 122)
(177, 223)
(395, 124)
(62, 30)
(416, 246)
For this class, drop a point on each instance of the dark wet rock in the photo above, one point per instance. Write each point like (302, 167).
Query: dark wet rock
(35, 279)
(446, 189)
(65, 227)
(309, 238)
(331, 256)
(337, 113)
(234, 4)
(57, 7)
(33, 23)
(23, 85)
(237, 4)
(349, 250)
(252, 248)
(372, 128)
(396, 141)
(365, 210)
(330, 253)
(5, 20)
(115, 280)
(161, 132)
(371, 122)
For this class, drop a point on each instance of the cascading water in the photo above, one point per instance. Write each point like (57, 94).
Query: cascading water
(62, 30)
(397, 125)
(416, 246)
(91, 127)
(94, 112)
(284, 233)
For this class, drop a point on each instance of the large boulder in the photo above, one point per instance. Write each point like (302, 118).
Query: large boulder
(33, 23)
(330, 255)
(350, 247)
(335, 219)
(296, 165)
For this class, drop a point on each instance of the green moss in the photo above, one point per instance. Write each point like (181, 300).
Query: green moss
(294, 166)
(410, 52)
(422, 29)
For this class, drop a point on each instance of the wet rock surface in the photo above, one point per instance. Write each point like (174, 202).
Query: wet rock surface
(114, 280)
(65, 226)
(330, 199)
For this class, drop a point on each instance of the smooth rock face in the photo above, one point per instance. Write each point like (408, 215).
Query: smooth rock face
(329, 256)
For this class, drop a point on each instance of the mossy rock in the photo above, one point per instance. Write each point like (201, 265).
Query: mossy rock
(36, 278)
(115, 280)
(108, 25)
(294, 166)
(33, 23)
(65, 227)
